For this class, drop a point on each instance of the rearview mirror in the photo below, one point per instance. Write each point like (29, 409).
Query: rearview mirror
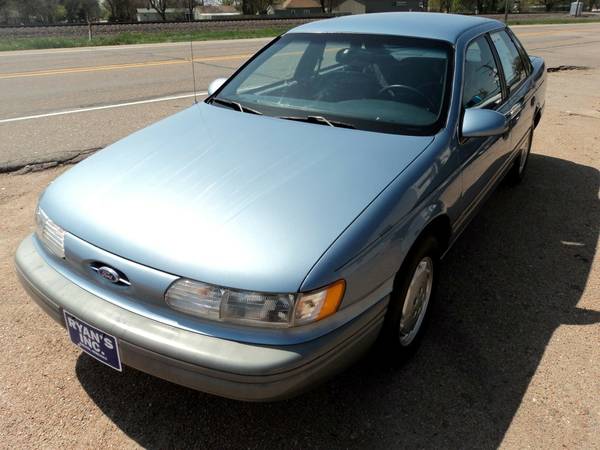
(215, 85)
(483, 122)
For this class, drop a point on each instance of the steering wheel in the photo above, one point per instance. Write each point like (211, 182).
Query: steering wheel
(391, 87)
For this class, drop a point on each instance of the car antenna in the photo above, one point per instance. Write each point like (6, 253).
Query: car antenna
(193, 69)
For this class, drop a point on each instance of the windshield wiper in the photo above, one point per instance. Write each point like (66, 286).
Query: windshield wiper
(234, 105)
(319, 120)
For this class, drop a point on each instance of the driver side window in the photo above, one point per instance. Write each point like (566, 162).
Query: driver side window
(481, 83)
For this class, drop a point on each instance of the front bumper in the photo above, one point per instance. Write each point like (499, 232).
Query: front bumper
(227, 368)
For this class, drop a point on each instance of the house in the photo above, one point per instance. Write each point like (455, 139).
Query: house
(151, 15)
(206, 12)
(373, 6)
(297, 8)
(209, 12)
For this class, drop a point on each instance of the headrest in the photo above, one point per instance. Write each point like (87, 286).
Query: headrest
(353, 57)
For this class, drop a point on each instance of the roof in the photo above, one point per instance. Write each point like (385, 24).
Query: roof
(445, 27)
(292, 4)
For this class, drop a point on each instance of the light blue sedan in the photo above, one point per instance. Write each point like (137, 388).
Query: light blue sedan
(260, 241)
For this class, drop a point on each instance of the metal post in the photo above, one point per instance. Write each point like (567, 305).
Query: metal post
(89, 31)
(505, 11)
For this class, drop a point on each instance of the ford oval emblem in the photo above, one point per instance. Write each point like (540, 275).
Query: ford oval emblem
(109, 274)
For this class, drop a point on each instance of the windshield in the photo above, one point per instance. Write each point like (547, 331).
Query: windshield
(379, 83)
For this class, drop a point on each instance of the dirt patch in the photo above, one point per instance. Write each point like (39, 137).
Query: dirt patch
(564, 68)
(67, 158)
(512, 358)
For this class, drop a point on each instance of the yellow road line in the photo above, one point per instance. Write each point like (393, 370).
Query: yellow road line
(71, 70)
(43, 73)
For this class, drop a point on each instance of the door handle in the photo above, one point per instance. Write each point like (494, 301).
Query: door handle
(514, 114)
(515, 111)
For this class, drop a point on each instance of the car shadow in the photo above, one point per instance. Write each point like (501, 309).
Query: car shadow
(515, 275)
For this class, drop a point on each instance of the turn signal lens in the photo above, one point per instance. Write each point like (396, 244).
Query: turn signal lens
(317, 305)
(51, 235)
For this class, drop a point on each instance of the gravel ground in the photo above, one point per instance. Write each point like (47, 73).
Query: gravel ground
(512, 358)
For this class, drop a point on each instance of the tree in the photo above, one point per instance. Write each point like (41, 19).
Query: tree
(6, 8)
(81, 10)
(237, 4)
(4, 14)
(326, 5)
(48, 11)
(160, 6)
(39, 11)
(190, 5)
(120, 10)
(252, 7)
(439, 5)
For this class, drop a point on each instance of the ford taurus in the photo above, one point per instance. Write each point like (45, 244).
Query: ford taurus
(261, 240)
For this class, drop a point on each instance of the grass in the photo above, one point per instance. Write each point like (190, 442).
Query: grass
(512, 20)
(179, 36)
(29, 43)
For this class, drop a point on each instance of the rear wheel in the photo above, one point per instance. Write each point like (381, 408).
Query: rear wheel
(517, 171)
(413, 293)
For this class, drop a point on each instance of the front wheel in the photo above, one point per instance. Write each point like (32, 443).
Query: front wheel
(413, 293)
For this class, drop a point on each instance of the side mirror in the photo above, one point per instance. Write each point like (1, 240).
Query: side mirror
(483, 122)
(215, 85)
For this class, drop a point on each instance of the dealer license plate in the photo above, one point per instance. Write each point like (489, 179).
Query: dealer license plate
(96, 343)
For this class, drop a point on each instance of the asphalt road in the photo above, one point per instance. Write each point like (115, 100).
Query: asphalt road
(55, 104)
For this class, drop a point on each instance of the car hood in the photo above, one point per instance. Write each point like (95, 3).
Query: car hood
(226, 197)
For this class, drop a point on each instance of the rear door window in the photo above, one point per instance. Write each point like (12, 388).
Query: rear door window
(510, 58)
(524, 55)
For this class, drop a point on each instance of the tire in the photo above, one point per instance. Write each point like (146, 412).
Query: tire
(398, 340)
(517, 172)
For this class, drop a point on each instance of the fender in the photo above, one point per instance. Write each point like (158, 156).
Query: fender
(427, 190)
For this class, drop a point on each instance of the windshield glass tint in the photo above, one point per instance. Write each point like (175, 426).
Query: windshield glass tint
(372, 82)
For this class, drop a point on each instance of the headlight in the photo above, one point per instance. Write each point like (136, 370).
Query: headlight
(51, 235)
(254, 308)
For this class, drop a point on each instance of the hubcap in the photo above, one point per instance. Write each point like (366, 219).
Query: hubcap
(523, 160)
(416, 301)
(524, 156)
